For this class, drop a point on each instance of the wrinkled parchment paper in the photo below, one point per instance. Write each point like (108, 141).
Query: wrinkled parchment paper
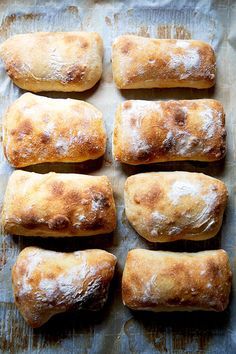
(116, 329)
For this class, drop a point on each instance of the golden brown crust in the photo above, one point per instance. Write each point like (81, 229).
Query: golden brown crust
(57, 204)
(171, 281)
(40, 129)
(147, 132)
(139, 62)
(54, 61)
(170, 206)
(46, 282)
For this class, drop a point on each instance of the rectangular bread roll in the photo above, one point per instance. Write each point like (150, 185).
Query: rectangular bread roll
(39, 129)
(53, 61)
(139, 62)
(46, 282)
(58, 204)
(147, 132)
(171, 281)
(170, 206)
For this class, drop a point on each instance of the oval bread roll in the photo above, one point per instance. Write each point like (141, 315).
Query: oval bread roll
(139, 62)
(170, 206)
(58, 204)
(171, 281)
(46, 282)
(147, 132)
(39, 129)
(53, 61)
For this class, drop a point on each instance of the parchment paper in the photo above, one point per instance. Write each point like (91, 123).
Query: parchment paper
(116, 329)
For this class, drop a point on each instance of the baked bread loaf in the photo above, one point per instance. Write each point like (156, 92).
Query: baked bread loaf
(53, 61)
(147, 132)
(46, 282)
(39, 129)
(170, 206)
(58, 204)
(139, 62)
(171, 281)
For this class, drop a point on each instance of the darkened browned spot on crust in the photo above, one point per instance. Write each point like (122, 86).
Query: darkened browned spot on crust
(168, 144)
(177, 269)
(212, 269)
(143, 155)
(127, 104)
(25, 128)
(176, 301)
(221, 152)
(207, 53)
(73, 197)
(14, 69)
(44, 138)
(57, 188)
(76, 73)
(84, 44)
(180, 117)
(96, 204)
(101, 199)
(14, 158)
(92, 145)
(58, 222)
(30, 220)
(148, 198)
(224, 133)
(17, 299)
(176, 112)
(93, 223)
(51, 275)
(126, 46)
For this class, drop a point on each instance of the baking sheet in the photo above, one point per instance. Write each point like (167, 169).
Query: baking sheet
(116, 329)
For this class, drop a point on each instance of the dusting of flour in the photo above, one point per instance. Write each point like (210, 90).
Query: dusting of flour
(189, 59)
(211, 121)
(132, 118)
(182, 188)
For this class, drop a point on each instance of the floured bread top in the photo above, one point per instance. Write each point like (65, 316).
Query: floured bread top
(41, 129)
(140, 62)
(170, 281)
(58, 204)
(53, 61)
(48, 282)
(155, 131)
(169, 206)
